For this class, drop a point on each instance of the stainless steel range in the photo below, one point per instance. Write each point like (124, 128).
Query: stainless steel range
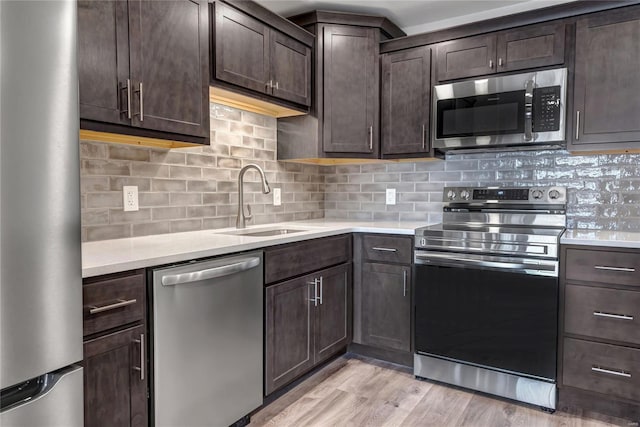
(486, 292)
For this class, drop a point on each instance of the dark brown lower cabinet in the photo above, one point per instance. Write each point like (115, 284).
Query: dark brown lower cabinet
(307, 321)
(386, 306)
(115, 383)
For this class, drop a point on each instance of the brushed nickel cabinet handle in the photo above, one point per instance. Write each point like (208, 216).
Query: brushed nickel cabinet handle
(612, 315)
(277, 86)
(128, 88)
(577, 125)
(371, 138)
(141, 97)
(619, 373)
(500, 63)
(607, 268)
(314, 300)
(321, 290)
(141, 367)
(376, 248)
(269, 85)
(404, 283)
(424, 137)
(120, 303)
(491, 63)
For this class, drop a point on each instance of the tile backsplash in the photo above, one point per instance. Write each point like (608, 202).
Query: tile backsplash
(603, 190)
(196, 188)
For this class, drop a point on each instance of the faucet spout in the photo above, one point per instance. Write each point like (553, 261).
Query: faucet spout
(242, 217)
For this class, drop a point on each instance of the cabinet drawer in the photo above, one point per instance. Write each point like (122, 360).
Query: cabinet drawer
(394, 249)
(608, 267)
(113, 301)
(602, 313)
(304, 257)
(602, 368)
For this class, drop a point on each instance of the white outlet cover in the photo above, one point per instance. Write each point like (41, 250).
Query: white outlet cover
(130, 198)
(391, 196)
(277, 197)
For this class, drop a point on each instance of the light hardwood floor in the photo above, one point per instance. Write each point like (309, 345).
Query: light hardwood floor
(355, 391)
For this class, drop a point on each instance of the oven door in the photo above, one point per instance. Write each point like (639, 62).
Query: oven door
(495, 312)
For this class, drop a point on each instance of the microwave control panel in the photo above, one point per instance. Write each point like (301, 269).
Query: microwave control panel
(546, 109)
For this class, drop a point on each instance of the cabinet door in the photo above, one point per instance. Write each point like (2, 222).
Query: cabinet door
(350, 92)
(290, 69)
(115, 390)
(406, 87)
(468, 57)
(170, 65)
(241, 49)
(333, 313)
(386, 306)
(606, 102)
(530, 47)
(289, 328)
(103, 60)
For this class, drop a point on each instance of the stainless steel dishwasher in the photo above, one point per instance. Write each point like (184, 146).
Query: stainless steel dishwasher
(207, 341)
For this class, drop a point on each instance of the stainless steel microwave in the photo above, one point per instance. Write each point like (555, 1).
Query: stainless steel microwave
(517, 110)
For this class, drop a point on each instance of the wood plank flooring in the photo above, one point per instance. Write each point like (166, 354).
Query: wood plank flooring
(356, 391)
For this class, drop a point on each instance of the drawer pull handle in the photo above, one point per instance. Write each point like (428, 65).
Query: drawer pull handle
(140, 368)
(120, 303)
(612, 316)
(611, 372)
(625, 269)
(385, 249)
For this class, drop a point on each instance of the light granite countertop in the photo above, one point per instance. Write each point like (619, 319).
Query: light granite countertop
(111, 256)
(614, 239)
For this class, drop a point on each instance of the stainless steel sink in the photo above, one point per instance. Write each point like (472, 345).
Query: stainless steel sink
(263, 233)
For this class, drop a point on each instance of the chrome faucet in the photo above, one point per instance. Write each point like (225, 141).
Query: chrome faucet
(242, 218)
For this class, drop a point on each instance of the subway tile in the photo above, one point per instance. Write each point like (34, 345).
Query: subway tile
(215, 198)
(241, 129)
(185, 172)
(167, 157)
(363, 177)
(183, 225)
(110, 199)
(151, 228)
(116, 183)
(241, 152)
(185, 199)
(168, 185)
(219, 125)
(90, 184)
(153, 170)
(253, 119)
(386, 216)
(126, 152)
(206, 160)
(224, 112)
(176, 212)
(213, 223)
(201, 186)
(225, 162)
(153, 199)
(93, 150)
(118, 216)
(400, 167)
(105, 167)
(266, 133)
(386, 177)
(95, 217)
(201, 211)
(107, 232)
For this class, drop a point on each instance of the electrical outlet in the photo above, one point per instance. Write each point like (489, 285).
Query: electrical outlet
(391, 196)
(277, 197)
(130, 197)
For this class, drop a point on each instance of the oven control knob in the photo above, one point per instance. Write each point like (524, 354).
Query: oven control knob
(464, 195)
(537, 194)
(451, 195)
(554, 194)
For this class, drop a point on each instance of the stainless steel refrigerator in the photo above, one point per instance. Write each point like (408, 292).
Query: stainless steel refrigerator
(41, 282)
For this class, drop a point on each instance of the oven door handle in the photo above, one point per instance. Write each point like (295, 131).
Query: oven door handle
(528, 110)
(515, 265)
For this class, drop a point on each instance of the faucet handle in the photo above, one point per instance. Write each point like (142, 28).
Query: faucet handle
(248, 216)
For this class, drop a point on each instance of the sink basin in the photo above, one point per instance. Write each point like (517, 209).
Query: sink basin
(264, 233)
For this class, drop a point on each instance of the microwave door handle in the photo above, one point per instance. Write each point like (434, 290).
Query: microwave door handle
(528, 110)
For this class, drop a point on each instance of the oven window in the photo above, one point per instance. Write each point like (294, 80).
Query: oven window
(496, 319)
(495, 114)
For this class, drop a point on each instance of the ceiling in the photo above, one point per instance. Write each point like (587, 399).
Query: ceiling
(415, 16)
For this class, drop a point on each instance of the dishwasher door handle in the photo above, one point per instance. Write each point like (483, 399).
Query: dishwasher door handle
(211, 273)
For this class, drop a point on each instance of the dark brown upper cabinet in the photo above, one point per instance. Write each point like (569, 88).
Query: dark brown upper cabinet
(606, 105)
(532, 46)
(405, 102)
(144, 65)
(350, 90)
(345, 113)
(251, 55)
